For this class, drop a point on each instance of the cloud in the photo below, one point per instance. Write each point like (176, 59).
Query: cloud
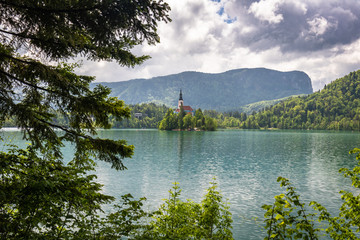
(303, 27)
(267, 10)
(319, 37)
(318, 26)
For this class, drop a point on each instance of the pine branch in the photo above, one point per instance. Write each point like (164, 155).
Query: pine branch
(65, 129)
(21, 35)
(29, 84)
(16, 59)
(51, 10)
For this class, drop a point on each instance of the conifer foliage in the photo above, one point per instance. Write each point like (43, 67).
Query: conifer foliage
(36, 36)
(40, 196)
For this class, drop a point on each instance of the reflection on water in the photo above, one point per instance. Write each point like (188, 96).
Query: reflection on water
(246, 164)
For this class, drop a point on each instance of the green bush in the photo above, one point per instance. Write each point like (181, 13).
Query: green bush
(176, 219)
(288, 218)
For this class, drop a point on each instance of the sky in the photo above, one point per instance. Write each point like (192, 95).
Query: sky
(319, 37)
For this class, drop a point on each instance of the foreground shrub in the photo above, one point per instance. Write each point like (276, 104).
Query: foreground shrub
(288, 218)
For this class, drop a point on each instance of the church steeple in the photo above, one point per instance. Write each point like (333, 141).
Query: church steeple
(181, 101)
(181, 106)
(180, 97)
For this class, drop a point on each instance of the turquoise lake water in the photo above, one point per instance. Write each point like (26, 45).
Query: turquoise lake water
(246, 164)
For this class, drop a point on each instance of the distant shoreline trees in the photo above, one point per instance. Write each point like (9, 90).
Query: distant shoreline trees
(145, 115)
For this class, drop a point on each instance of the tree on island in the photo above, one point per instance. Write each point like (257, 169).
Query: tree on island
(169, 121)
(199, 118)
(183, 121)
(180, 118)
(188, 122)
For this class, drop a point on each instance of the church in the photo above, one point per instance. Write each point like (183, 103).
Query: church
(187, 109)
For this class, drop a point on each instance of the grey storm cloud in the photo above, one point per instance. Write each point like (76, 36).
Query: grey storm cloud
(296, 26)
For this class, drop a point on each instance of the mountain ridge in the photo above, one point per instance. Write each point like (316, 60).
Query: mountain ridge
(220, 91)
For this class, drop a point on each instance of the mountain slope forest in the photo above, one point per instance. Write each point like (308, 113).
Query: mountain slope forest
(336, 107)
(258, 106)
(222, 92)
(145, 115)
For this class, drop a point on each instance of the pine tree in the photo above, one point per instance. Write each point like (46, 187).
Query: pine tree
(37, 36)
(40, 196)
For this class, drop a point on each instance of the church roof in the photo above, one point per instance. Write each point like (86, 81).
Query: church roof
(186, 108)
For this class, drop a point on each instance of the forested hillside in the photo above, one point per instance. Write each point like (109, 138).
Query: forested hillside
(336, 107)
(146, 115)
(226, 91)
(257, 106)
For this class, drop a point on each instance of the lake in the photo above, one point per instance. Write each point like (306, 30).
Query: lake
(246, 164)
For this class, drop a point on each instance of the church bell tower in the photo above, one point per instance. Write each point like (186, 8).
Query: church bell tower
(181, 101)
